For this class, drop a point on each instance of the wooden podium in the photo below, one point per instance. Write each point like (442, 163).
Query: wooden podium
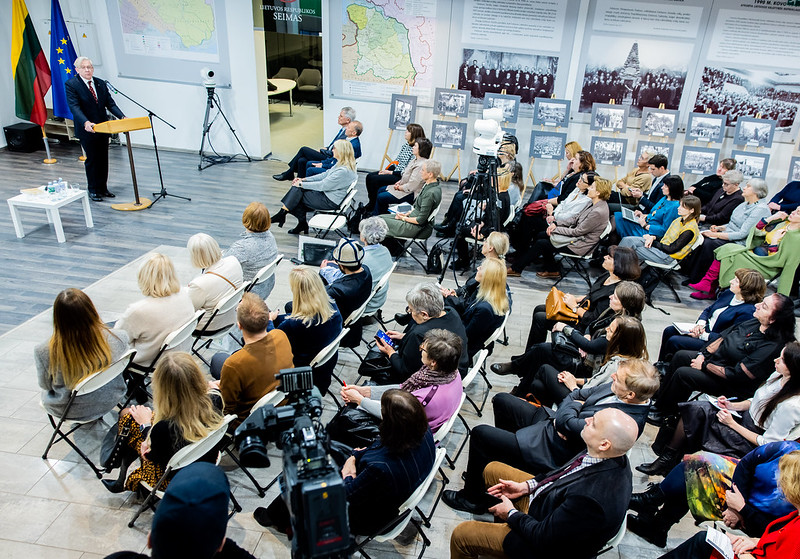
(127, 125)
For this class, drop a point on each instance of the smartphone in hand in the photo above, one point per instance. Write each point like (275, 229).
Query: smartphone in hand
(380, 334)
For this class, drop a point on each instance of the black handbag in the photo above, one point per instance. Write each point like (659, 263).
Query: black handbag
(566, 355)
(353, 427)
(375, 364)
(113, 447)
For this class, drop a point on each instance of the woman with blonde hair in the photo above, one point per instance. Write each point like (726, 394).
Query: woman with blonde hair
(256, 247)
(80, 346)
(183, 413)
(165, 308)
(386, 177)
(219, 278)
(319, 192)
(312, 323)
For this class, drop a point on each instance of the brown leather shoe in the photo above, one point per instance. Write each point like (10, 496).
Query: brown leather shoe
(549, 275)
(512, 273)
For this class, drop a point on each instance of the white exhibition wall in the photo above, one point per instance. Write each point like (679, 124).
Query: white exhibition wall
(180, 104)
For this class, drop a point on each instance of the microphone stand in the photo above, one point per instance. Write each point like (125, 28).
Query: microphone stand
(150, 114)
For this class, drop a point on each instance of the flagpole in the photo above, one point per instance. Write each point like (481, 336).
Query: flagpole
(49, 160)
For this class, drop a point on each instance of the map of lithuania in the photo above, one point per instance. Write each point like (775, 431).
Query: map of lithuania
(383, 44)
(182, 28)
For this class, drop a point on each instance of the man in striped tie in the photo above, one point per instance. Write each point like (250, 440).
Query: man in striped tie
(88, 99)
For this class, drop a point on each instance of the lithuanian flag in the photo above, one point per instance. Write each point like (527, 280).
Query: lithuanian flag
(29, 66)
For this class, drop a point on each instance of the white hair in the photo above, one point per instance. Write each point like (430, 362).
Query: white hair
(80, 59)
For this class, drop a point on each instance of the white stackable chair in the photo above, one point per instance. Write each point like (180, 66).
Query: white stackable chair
(419, 241)
(580, 263)
(203, 335)
(663, 271)
(264, 273)
(326, 221)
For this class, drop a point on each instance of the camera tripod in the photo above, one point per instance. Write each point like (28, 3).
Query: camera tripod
(216, 159)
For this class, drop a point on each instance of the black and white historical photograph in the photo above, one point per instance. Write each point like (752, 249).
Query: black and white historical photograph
(609, 118)
(635, 72)
(448, 134)
(699, 161)
(653, 148)
(509, 104)
(754, 132)
(451, 102)
(659, 122)
(752, 165)
(547, 145)
(487, 71)
(551, 112)
(609, 151)
(749, 93)
(705, 127)
(794, 170)
(402, 112)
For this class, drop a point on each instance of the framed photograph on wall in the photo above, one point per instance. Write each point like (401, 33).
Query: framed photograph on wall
(699, 161)
(509, 104)
(551, 112)
(705, 127)
(402, 111)
(609, 151)
(609, 118)
(754, 132)
(446, 134)
(794, 169)
(547, 145)
(659, 122)
(451, 102)
(663, 148)
(752, 165)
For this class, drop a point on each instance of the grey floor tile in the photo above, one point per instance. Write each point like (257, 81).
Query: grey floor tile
(20, 473)
(24, 518)
(19, 550)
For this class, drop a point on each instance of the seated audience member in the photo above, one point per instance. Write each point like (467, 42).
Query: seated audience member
(312, 323)
(541, 513)
(393, 173)
(578, 235)
(417, 223)
(627, 299)
(165, 308)
(551, 188)
(484, 309)
(639, 177)
(626, 339)
(743, 219)
(300, 161)
(192, 518)
(583, 162)
(512, 182)
(536, 439)
(80, 346)
(426, 305)
(734, 364)
(772, 414)
(676, 242)
(256, 248)
(352, 133)
(660, 215)
(183, 413)
(378, 479)
(734, 305)
(780, 539)
(706, 187)
(376, 259)
(779, 260)
(320, 192)
(659, 169)
(788, 199)
(437, 385)
(621, 265)
(410, 183)
(751, 498)
(718, 210)
(220, 276)
(244, 377)
(350, 290)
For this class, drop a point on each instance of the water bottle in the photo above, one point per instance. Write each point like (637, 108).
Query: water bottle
(51, 188)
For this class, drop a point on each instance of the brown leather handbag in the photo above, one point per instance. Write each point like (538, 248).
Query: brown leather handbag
(556, 309)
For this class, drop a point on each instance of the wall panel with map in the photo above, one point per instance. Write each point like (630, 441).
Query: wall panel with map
(170, 41)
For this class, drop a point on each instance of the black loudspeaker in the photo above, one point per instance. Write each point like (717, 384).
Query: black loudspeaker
(23, 137)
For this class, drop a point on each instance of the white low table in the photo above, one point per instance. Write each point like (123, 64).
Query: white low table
(50, 207)
(283, 86)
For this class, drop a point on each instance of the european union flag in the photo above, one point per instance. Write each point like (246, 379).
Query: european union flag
(62, 60)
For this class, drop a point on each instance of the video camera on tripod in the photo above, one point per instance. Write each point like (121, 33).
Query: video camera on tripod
(311, 485)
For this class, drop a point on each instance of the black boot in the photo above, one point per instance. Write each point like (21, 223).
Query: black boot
(302, 227)
(285, 176)
(647, 529)
(647, 503)
(118, 485)
(279, 218)
(662, 465)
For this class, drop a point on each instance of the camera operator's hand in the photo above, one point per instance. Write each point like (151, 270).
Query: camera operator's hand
(349, 468)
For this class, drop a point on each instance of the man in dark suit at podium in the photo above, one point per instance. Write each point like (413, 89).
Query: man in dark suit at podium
(88, 99)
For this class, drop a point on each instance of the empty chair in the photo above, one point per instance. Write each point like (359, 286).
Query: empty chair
(309, 85)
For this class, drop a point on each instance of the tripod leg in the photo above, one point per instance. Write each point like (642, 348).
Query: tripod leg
(206, 127)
